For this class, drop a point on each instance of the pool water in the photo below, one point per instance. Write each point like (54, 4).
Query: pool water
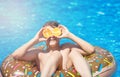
(96, 21)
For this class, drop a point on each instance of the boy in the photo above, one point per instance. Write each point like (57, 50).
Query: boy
(51, 59)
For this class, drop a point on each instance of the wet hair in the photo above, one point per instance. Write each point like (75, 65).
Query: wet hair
(51, 23)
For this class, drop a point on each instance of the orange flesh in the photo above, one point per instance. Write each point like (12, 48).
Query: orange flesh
(47, 32)
(56, 32)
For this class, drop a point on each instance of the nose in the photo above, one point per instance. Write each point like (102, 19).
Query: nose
(52, 36)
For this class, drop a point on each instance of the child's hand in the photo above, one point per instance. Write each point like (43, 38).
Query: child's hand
(39, 37)
(65, 31)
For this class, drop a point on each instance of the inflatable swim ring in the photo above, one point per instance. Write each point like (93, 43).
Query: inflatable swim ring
(16, 68)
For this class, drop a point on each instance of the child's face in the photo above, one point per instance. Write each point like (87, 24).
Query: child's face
(52, 40)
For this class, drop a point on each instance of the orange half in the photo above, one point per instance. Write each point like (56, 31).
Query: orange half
(56, 32)
(47, 33)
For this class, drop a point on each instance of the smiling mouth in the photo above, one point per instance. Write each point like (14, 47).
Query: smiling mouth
(52, 40)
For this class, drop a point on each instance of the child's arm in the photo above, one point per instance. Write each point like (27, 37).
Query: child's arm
(20, 52)
(82, 43)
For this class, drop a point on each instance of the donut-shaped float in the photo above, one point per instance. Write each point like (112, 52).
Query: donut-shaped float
(16, 68)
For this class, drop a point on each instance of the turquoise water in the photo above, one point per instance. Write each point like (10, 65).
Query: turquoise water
(96, 21)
